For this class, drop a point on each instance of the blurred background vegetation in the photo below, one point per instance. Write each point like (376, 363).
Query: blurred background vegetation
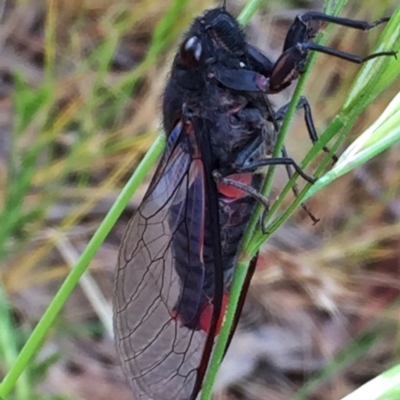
(80, 105)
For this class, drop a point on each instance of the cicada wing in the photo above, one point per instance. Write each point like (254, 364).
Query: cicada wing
(160, 276)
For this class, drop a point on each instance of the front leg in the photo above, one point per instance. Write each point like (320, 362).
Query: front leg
(290, 65)
(242, 80)
(306, 26)
(253, 75)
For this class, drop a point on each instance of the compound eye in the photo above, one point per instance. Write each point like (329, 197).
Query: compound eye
(191, 51)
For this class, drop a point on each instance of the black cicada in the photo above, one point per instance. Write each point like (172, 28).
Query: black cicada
(177, 256)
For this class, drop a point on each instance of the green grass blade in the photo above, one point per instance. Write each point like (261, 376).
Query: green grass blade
(384, 387)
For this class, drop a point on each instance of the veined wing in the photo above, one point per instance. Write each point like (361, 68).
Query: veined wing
(158, 296)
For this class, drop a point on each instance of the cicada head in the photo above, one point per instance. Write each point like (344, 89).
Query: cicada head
(214, 40)
(214, 35)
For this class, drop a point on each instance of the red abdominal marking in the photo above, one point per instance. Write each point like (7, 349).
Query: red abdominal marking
(206, 315)
(232, 192)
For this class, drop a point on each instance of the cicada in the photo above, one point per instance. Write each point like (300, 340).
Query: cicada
(178, 254)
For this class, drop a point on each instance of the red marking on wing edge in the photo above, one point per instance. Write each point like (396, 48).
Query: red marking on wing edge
(206, 315)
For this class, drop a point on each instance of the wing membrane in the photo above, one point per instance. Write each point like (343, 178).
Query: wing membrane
(160, 278)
